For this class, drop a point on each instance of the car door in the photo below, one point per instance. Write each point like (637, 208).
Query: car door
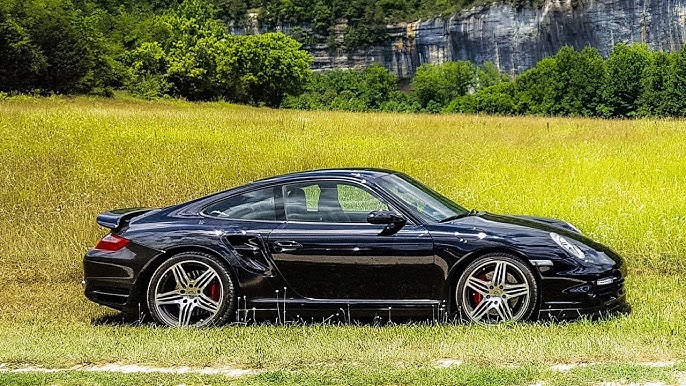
(327, 250)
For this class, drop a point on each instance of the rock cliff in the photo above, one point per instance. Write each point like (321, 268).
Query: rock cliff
(514, 38)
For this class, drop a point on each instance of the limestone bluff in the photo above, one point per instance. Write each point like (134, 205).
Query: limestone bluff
(511, 37)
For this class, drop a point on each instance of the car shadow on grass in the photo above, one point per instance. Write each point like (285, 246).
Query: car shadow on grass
(336, 319)
(143, 319)
(122, 319)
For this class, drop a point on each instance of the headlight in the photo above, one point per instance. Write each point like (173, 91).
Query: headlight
(568, 246)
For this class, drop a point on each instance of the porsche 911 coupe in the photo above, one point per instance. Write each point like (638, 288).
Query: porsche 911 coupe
(362, 241)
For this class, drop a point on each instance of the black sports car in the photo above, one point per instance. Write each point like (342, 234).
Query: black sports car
(362, 241)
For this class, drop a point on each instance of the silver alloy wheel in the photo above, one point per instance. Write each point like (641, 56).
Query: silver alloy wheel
(189, 293)
(495, 291)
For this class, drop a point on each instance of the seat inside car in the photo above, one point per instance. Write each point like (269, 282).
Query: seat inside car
(296, 204)
(329, 206)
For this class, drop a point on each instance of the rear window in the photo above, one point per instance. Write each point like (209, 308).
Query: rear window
(253, 205)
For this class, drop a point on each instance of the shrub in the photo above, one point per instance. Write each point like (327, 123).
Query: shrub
(437, 84)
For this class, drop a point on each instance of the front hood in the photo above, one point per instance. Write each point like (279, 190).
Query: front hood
(506, 225)
(530, 233)
(535, 223)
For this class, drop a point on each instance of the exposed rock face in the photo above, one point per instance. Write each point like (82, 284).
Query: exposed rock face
(515, 39)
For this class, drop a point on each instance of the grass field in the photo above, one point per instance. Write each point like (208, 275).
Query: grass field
(62, 161)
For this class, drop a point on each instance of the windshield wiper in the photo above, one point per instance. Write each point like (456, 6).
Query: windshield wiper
(472, 212)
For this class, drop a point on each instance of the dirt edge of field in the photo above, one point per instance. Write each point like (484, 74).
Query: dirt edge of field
(132, 369)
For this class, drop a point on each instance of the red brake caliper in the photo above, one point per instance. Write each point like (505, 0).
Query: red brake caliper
(475, 295)
(214, 290)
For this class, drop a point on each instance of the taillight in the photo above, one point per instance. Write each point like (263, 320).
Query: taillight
(112, 243)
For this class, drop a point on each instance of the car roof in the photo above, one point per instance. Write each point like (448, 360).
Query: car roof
(359, 173)
(347, 172)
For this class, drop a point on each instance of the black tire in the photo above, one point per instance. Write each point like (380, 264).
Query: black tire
(483, 296)
(191, 289)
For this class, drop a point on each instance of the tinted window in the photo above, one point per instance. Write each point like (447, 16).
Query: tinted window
(254, 205)
(328, 201)
(428, 203)
(355, 199)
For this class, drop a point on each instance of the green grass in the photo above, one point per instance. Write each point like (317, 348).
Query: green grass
(62, 161)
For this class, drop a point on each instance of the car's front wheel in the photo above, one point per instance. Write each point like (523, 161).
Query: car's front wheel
(191, 289)
(497, 288)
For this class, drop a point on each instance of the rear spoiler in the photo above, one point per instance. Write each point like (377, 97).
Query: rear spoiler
(113, 219)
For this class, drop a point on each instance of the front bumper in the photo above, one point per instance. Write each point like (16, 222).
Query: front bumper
(593, 299)
(612, 307)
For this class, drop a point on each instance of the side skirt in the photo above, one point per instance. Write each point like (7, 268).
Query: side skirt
(339, 310)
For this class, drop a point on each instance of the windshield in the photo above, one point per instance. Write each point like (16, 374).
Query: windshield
(432, 206)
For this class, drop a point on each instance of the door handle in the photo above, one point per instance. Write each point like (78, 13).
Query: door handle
(286, 246)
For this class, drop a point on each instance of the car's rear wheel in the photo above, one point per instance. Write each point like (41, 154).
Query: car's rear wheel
(191, 289)
(497, 288)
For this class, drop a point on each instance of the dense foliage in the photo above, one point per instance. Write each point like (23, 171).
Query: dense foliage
(632, 82)
(59, 46)
(161, 48)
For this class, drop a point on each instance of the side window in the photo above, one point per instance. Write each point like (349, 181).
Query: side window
(301, 201)
(354, 199)
(410, 199)
(329, 201)
(312, 197)
(254, 205)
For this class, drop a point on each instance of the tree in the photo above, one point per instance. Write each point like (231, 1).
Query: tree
(323, 18)
(536, 89)
(656, 93)
(676, 91)
(495, 99)
(264, 68)
(148, 67)
(569, 83)
(488, 75)
(50, 46)
(581, 80)
(379, 84)
(70, 54)
(21, 61)
(441, 83)
(231, 10)
(624, 73)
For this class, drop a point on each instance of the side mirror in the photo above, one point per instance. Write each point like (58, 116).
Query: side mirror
(385, 217)
(393, 221)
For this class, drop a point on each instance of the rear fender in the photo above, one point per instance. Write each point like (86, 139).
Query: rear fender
(245, 255)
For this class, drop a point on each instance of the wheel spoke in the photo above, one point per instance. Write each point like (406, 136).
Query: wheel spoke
(171, 297)
(495, 289)
(180, 276)
(481, 309)
(516, 290)
(206, 278)
(185, 312)
(477, 285)
(503, 309)
(208, 304)
(500, 273)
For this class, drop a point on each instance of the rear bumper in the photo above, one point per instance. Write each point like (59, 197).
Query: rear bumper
(110, 294)
(112, 278)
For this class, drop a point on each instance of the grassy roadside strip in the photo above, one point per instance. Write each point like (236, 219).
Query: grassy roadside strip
(54, 328)
(465, 374)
